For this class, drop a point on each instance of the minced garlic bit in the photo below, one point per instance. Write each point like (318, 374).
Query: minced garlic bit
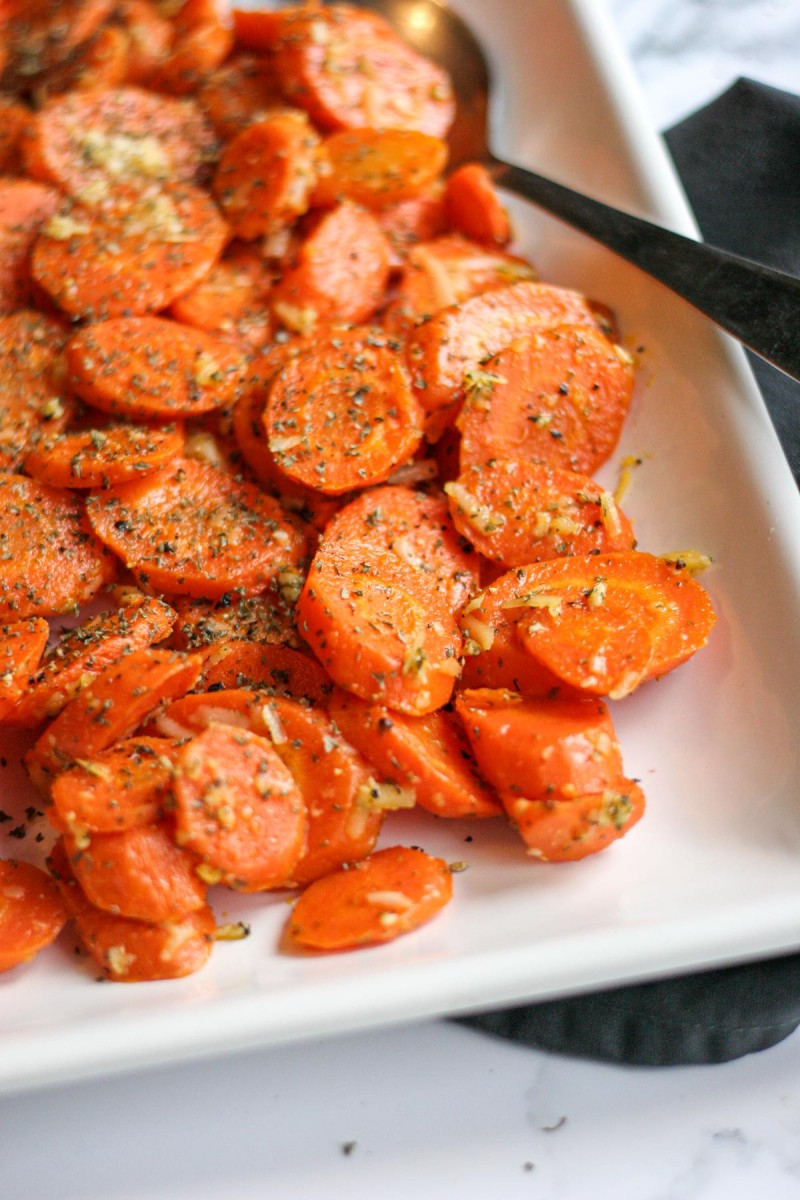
(597, 594)
(688, 560)
(156, 216)
(626, 475)
(208, 874)
(203, 447)
(290, 585)
(418, 471)
(62, 227)
(232, 931)
(479, 386)
(479, 516)
(299, 319)
(119, 960)
(384, 797)
(478, 632)
(609, 515)
(121, 155)
(273, 725)
(100, 770)
(395, 901)
(206, 370)
(537, 600)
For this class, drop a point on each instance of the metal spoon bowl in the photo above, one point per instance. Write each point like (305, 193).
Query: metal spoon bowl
(756, 304)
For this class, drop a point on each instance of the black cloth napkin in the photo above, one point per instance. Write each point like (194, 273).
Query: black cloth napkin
(739, 161)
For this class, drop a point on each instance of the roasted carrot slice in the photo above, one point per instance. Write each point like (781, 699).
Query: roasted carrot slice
(377, 167)
(13, 119)
(375, 900)
(21, 646)
(82, 652)
(265, 175)
(32, 913)
(24, 208)
(121, 788)
(378, 629)
(416, 526)
(568, 830)
(287, 672)
(95, 458)
(410, 222)
(606, 623)
(195, 53)
(257, 29)
(349, 70)
(474, 208)
(341, 413)
(558, 396)
(51, 563)
(40, 36)
(194, 530)
(145, 367)
(128, 258)
(231, 298)
(517, 513)
(32, 402)
(265, 618)
(238, 809)
(446, 353)
(99, 63)
(341, 273)
(149, 37)
(97, 145)
(428, 754)
(240, 93)
(109, 709)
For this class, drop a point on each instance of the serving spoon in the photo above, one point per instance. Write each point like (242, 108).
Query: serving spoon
(756, 304)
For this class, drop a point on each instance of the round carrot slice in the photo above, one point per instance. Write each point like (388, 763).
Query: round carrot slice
(32, 403)
(50, 562)
(120, 788)
(108, 143)
(194, 54)
(149, 37)
(350, 70)
(568, 830)
(263, 619)
(410, 222)
(145, 367)
(21, 647)
(13, 119)
(341, 414)
(240, 93)
(101, 62)
(558, 396)
(128, 258)
(375, 900)
(231, 298)
(24, 208)
(518, 513)
(32, 913)
(238, 809)
(103, 457)
(40, 36)
(279, 669)
(194, 530)
(474, 208)
(377, 167)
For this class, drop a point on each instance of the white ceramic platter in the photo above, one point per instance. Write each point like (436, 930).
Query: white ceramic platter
(712, 874)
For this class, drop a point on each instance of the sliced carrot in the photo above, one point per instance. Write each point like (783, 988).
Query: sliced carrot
(257, 29)
(96, 145)
(350, 70)
(131, 258)
(231, 298)
(41, 36)
(99, 63)
(378, 629)
(265, 618)
(83, 652)
(103, 457)
(606, 623)
(410, 222)
(429, 754)
(109, 709)
(51, 563)
(121, 788)
(416, 526)
(32, 913)
(145, 367)
(287, 672)
(448, 351)
(32, 401)
(516, 513)
(24, 208)
(391, 892)
(241, 92)
(543, 749)
(21, 646)
(341, 273)
(341, 413)
(558, 396)
(194, 530)
(238, 809)
(149, 37)
(568, 830)
(474, 208)
(377, 167)
(265, 175)
(13, 119)
(194, 54)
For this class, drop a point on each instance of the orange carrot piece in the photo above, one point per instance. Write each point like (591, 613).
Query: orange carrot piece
(22, 644)
(238, 809)
(32, 913)
(474, 208)
(109, 709)
(81, 653)
(517, 513)
(410, 222)
(99, 63)
(264, 619)
(231, 298)
(40, 36)
(194, 530)
(391, 892)
(341, 273)
(32, 402)
(128, 258)
(377, 168)
(378, 630)
(288, 672)
(149, 367)
(558, 396)
(341, 413)
(240, 92)
(430, 754)
(24, 208)
(121, 788)
(57, 564)
(447, 352)
(104, 457)
(149, 38)
(13, 119)
(194, 54)
(568, 830)
(257, 29)
(265, 175)
(350, 70)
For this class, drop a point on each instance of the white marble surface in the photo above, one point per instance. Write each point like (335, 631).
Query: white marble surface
(436, 1109)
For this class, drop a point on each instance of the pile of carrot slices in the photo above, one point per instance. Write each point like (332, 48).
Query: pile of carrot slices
(307, 455)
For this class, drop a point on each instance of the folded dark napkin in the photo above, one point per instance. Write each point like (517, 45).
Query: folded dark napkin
(739, 161)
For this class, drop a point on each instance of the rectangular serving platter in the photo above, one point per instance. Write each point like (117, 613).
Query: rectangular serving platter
(712, 874)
